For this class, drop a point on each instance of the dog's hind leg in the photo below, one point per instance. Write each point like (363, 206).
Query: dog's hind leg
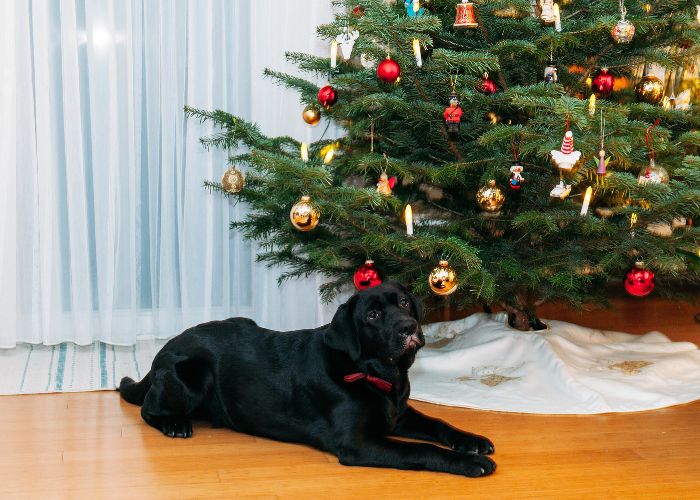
(178, 387)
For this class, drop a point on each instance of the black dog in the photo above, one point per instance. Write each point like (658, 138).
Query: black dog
(342, 388)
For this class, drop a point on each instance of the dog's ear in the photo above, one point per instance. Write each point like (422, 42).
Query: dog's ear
(417, 305)
(341, 334)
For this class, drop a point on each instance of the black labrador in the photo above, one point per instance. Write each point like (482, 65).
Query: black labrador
(342, 387)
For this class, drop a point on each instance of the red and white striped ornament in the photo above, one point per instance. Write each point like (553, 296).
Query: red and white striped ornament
(566, 157)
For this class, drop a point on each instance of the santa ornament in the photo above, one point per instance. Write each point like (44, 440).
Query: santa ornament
(566, 157)
(453, 115)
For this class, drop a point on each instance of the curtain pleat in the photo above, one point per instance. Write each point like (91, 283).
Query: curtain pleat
(106, 231)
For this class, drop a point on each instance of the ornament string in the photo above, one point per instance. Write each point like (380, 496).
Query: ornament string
(520, 145)
(649, 139)
(623, 10)
(453, 80)
(650, 144)
(602, 130)
(371, 136)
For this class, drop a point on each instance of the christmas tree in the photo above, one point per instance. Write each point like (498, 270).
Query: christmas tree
(540, 158)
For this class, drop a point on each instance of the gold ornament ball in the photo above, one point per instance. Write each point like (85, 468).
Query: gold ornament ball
(443, 279)
(653, 174)
(490, 197)
(304, 215)
(311, 115)
(233, 180)
(650, 89)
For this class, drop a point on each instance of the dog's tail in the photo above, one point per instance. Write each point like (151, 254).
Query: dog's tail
(135, 392)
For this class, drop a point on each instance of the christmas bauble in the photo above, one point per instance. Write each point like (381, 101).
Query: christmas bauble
(233, 180)
(388, 70)
(490, 197)
(367, 276)
(653, 174)
(639, 281)
(311, 115)
(486, 85)
(650, 89)
(327, 96)
(443, 279)
(623, 31)
(603, 82)
(304, 215)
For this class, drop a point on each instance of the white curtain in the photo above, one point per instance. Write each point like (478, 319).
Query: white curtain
(107, 233)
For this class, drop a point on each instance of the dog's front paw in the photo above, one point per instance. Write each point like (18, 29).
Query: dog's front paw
(478, 465)
(177, 428)
(471, 443)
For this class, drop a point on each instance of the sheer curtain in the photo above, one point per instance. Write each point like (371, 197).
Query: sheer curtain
(107, 233)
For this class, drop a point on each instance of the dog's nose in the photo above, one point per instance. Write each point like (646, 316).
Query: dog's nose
(409, 329)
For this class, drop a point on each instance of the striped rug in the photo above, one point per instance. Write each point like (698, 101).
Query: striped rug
(32, 369)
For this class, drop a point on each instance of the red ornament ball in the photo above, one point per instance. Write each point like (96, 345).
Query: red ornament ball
(367, 276)
(639, 281)
(327, 96)
(388, 70)
(487, 86)
(358, 11)
(603, 82)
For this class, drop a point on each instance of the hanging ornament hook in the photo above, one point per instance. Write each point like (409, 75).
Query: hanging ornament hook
(650, 139)
(453, 80)
(623, 10)
(516, 152)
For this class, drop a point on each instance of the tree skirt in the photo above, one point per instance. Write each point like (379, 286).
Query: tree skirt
(480, 362)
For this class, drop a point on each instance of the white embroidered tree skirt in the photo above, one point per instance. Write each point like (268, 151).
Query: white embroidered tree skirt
(480, 362)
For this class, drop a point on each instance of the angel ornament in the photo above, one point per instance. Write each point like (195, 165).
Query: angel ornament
(347, 40)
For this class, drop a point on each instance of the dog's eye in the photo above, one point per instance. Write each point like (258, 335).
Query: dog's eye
(372, 315)
(403, 302)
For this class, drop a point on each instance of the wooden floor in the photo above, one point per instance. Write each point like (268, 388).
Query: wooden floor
(93, 445)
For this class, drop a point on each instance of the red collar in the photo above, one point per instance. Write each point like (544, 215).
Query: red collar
(383, 385)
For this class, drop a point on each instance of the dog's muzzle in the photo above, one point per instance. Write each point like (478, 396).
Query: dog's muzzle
(414, 340)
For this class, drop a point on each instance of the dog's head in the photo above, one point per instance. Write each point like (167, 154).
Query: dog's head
(381, 323)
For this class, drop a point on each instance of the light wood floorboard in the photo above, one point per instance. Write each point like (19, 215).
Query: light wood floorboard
(93, 445)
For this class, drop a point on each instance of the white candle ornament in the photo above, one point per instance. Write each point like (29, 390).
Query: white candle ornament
(586, 200)
(334, 54)
(408, 215)
(416, 52)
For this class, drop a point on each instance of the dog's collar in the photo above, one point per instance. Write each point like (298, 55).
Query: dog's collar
(383, 385)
